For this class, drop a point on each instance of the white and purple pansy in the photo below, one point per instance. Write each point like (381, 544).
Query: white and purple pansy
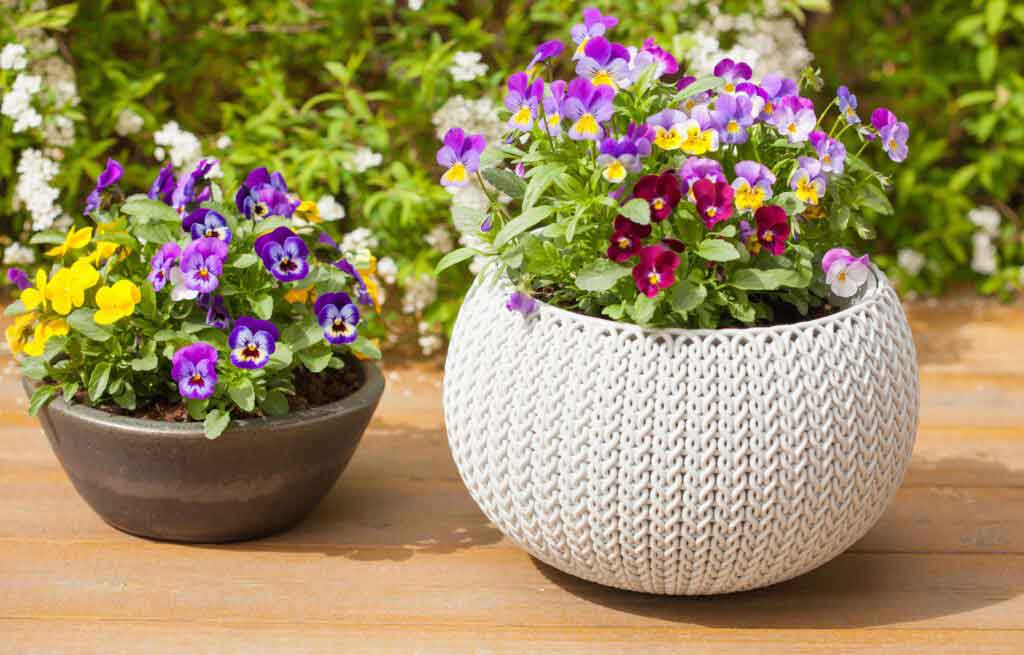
(553, 107)
(732, 115)
(794, 118)
(605, 63)
(844, 273)
(752, 186)
(205, 222)
(808, 180)
(593, 25)
(202, 264)
(892, 132)
(732, 73)
(831, 153)
(264, 194)
(252, 342)
(338, 317)
(522, 100)
(284, 254)
(161, 263)
(587, 107)
(194, 368)
(617, 159)
(460, 156)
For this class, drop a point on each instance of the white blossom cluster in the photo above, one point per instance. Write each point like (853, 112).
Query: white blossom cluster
(183, 147)
(467, 66)
(387, 269)
(128, 123)
(12, 57)
(474, 116)
(363, 159)
(330, 209)
(33, 190)
(420, 292)
(358, 239)
(910, 261)
(429, 340)
(440, 239)
(415, 5)
(17, 103)
(984, 258)
(18, 255)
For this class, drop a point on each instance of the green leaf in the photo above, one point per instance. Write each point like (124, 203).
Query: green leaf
(316, 358)
(154, 232)
(54, 346)
(365, 347)
(600, 275)
(988, 57)
(282, 356)
(790, 203)
(637, 210)
(275, 404)
(145, 363)
(505, 181)
(263, 307)
(34, 368)
(50, 19)
(150, 210)
(40, 397)
(540, 179)
(456, 256)
(15, 308)
(522, 223)
(217, 420)
(81, 321)
(126, 399)
(46, 238)
(687, 296)
(756, 279)
(243, 393)
(643, 308)
(245, 260)
(995, 12)
(69, 390)
(717, 250)
(698, 86)
(98, 381)
(147, 304)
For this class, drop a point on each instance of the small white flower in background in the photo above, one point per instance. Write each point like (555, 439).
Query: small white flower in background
(467, 66)
(17, 103)
(430, 342)
(12, 57)
(986, 218)
(983, 259)
(18, 255)
(473, 116)
(419, 293)
(440, 239)
(184, 148)
(910, 260)
(330, 209)
(59, 131)
(387, 269)
(223, 142)
(128, 123)
(359, 239)
(33, 190)
(159, 153)
(363, 160)
(415, 5)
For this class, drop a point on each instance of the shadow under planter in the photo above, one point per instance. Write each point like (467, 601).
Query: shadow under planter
(167, 481)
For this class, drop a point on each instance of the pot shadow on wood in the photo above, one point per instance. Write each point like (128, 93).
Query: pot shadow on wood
(860, 588)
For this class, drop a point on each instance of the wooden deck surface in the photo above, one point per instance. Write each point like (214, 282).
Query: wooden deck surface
(398, 559)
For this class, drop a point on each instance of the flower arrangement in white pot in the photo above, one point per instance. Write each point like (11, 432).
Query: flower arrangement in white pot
(673, 376)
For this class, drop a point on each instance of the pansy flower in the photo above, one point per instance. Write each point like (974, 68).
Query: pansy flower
(656, 270)
(714, 201)
(831, 153)
(66, 289)
(642, 136)
(808, 180)
(202, 264)
(732, 73)
(668, 126)
(753, 185)
(76, 239)
(847, 105)
(545, 51)
(617, 159)
(522, 303)
(758, 98)
(207, 223)
(264, 194)
(185, 193)
(732, 115)
(522, 100)
(337, 316)
(163, 186)
(116, 302)
(604, 63)
(194, 368)
(695, 100)
(161, 263)
(794, 118)
(593, 25)
(892, 133)
(252, 342)
(627, 239)
(109, 177)
(772, 228)
(460, 156)
(587, 106)
(662, 192)
(667, 64)
(553, 107)
(284, 254)
(363, 291)
(18, 278)
(776, 88)
(844, 273)
(748, 232)
(217, 314)
(44, 331)
(699, 168)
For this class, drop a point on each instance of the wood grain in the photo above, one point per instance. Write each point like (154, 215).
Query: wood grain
(399, 559)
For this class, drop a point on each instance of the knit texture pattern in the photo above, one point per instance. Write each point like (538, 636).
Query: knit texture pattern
(681, 461)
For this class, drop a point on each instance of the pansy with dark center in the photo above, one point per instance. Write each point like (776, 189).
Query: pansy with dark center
(217, 314)
(772, 228)
(662, 192)
(284, 254)
(202, 264)
(714, 201)
(109, 177)
(656, 270)
(163, 186)
(161, 263)
(264, 194)
(205, 222)
(194, 368)
(627, 239)
(338, 317)
(252, 342)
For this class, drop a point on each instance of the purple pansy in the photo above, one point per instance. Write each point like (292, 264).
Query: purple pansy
(752, 186)
(109, 177)
(593, 25)
(217, 314)
(194, 368)
(732, 115)
(264, 194)
(363, 294)
(160, 265)
(747, 231)
(714, 201)
(460, 156)
(776, 88)
(697, 99)
(642, 136)
(553, 107)
(831, 152)
(892, 132)
(18, 278)
(844, 273)
(207, 223)
(522, 100)
(617, 159)
(882, 117)
(521, 302)
(185, 191)
(163, 186)
(252, 342)
(698, 168)
(202, 263)
(338, 317)
(656, 270)
(732, 72)
(662, 192)
(758, 98)
(604, 63)
(587, 107)
(808, 181)
(794, 119)
(772, 228)
(545, 51)
(667, 64)
(847, 105)
(284, 254)
(627, 239)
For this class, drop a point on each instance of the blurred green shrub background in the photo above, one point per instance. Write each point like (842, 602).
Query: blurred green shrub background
(348, 97)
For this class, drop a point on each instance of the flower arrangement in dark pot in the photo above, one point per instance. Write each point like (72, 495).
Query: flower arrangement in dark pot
(199, 363)
(676, 372)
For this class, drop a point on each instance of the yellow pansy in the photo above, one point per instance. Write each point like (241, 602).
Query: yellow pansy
(297, 296)
(75, 239)
(44, 331)
(116, 302)
(17, 333)
(308, 211)
(68, 285)
(104, 250)
(34, 297)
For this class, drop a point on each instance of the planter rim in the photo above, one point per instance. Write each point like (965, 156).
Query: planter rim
(365, 395)
(870, 296)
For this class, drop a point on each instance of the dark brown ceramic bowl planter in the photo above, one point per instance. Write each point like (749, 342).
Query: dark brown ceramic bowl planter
(168, 481)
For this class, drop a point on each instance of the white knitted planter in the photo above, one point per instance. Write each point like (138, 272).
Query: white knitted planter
(681, 461)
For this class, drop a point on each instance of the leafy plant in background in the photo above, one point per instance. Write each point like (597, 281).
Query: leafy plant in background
(181, 297)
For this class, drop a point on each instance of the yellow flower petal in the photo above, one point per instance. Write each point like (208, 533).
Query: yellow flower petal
(116, 302)
(16, 332)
